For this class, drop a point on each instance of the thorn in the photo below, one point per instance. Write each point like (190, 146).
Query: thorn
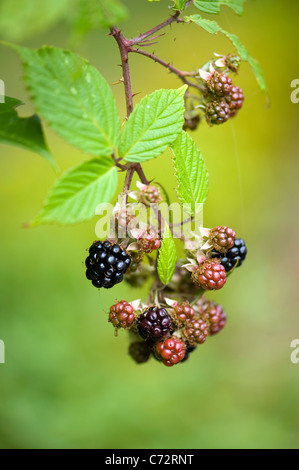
(121, 80)
(135, 94)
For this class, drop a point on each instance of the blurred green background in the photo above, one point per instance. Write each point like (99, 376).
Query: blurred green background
(67, 381)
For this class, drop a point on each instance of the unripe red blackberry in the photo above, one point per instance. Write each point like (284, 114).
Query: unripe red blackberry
(184, 312)
(195, 331)
(222, 238)
(106, 264)
(235, 100)
(210, 275)
(149, 194)
(155, 323)
(220, 84)
(149, 242)
(140, 351)
(171, 351)
(122, 315)
(217, 112)
(215, 317)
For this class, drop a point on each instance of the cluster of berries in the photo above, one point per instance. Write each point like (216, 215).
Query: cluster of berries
(219, 98)
(167, 328)
(221, 253)
(110, 260)
(169, 334)
(223, 98)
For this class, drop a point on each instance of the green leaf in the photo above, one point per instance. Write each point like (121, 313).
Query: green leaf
(191, 172)
(244, 54)
(22, 19)
(209, 25)
(167, 256)
(22, 132)
(153, 126)
(73, 97)
(209, 6)
(94, 14)
(77, 193)
(179, 5)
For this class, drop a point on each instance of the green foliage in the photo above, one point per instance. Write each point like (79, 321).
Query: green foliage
(191, 172)
(214, 28)
(94, 14)
(73, 97)
(23, 132)
(167, 256)
(179, 4)
(209, 25)
(76, 194)
(209, 6)
(153, 125)
(22, 19)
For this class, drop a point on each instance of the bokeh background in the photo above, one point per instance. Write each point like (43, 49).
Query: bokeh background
(67, 381)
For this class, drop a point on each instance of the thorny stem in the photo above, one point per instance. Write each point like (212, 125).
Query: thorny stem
(125, 46)
(180, 73)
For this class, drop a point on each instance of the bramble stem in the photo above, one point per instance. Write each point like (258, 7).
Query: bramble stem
(180, 73)
(123, 49)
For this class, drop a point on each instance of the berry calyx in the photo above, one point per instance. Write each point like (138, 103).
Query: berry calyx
(196, 331)
(184, 312)
(222, 238)
(106, 264)
(155, 323)
(217, 112)
(220, 84)
(215, 317)
(122, 315)
(234, 257)
(140, 351)
(210, 275)
(171, 351)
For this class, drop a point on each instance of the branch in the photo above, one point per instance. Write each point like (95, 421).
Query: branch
(179, 73)
(152, 31)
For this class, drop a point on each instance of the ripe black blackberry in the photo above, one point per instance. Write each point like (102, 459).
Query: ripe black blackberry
(106, 264)
(155, 323)
(235, 255)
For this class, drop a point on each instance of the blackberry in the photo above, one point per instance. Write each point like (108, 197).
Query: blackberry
(210, 275)
(171, 351)
(217, 112)
(184, 312)
(222, 238)
(149, 195)
(214, 315)
(220, 84)
(122, 315)
(235, 100)
(196, 331)
(235, 255)
(106, 264)
(155, 323)
(140, 351)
